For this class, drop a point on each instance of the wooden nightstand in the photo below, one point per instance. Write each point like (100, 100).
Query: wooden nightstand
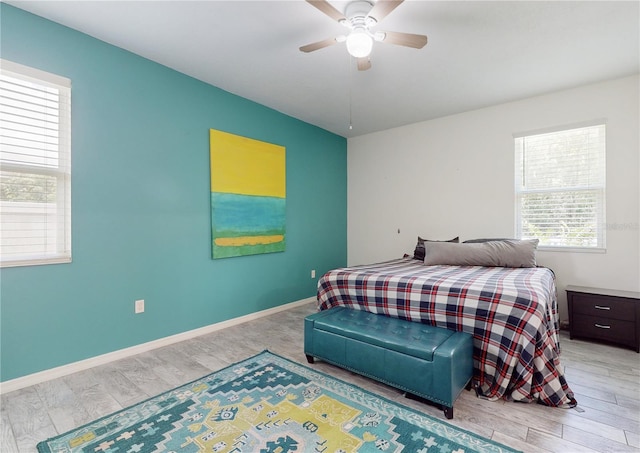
(604, 314)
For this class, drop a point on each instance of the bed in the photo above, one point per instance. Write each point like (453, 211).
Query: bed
(511, 313)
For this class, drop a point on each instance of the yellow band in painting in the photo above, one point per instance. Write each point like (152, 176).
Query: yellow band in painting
(248, 240)
(245, 166)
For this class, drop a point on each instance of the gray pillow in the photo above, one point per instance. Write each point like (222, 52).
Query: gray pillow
(418, 253)
(509, 253)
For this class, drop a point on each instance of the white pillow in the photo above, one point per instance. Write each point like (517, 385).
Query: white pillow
(509, 253)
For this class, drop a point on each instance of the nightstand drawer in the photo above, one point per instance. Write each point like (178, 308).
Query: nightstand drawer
(603, 307)
(602, 328)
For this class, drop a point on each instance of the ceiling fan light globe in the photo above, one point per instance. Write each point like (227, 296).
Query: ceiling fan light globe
(359, 44)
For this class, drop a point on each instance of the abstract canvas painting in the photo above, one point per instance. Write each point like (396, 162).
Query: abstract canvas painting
(248, 196)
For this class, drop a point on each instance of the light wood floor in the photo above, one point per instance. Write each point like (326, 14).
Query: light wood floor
(605, 379)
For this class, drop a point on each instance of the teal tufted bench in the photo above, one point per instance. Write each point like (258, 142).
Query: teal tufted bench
(423, 360)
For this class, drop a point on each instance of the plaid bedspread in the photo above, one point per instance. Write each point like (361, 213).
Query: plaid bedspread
(511, 313)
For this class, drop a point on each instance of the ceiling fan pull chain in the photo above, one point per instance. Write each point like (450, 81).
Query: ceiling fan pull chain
(350, 89)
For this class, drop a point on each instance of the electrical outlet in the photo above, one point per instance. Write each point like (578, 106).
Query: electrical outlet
(313, 273)
(139, 306)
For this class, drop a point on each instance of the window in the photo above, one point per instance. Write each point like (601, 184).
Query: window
(560, 187)
(35, 166)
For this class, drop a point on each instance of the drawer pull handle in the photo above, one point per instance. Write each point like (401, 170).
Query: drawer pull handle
(600, 326)
(599, 307)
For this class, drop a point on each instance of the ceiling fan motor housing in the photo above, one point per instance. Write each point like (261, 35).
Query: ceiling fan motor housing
(357, 14)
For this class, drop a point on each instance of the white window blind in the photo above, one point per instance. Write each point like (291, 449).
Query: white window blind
(35, 166)
(560, 187)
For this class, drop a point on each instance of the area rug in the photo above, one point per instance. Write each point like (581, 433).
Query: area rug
(268, 404)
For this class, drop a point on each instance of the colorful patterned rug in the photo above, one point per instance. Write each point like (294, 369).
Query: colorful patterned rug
(268, 404)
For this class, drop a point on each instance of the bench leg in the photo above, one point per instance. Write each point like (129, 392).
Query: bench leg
(448, 412)
(309, 358)
(471, 385)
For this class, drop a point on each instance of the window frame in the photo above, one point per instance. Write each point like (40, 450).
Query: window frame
(61, 173)
(600, 247)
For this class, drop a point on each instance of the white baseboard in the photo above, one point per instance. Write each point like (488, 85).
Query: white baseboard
(53, 373)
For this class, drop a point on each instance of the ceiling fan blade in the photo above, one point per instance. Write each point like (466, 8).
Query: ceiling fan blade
(382, 8)
(364, 63)
(329, 10)
(318, 45)
(405, 39)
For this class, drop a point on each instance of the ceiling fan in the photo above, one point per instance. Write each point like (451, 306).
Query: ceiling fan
(359, 17)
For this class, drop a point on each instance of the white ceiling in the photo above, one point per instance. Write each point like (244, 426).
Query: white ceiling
(479, 53)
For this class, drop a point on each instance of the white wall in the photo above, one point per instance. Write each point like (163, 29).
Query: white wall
(454, 176)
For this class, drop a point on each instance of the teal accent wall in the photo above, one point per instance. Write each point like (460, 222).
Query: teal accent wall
(141, 226)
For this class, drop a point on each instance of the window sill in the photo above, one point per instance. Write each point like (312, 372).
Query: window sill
(35, 262)
(542, 248)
